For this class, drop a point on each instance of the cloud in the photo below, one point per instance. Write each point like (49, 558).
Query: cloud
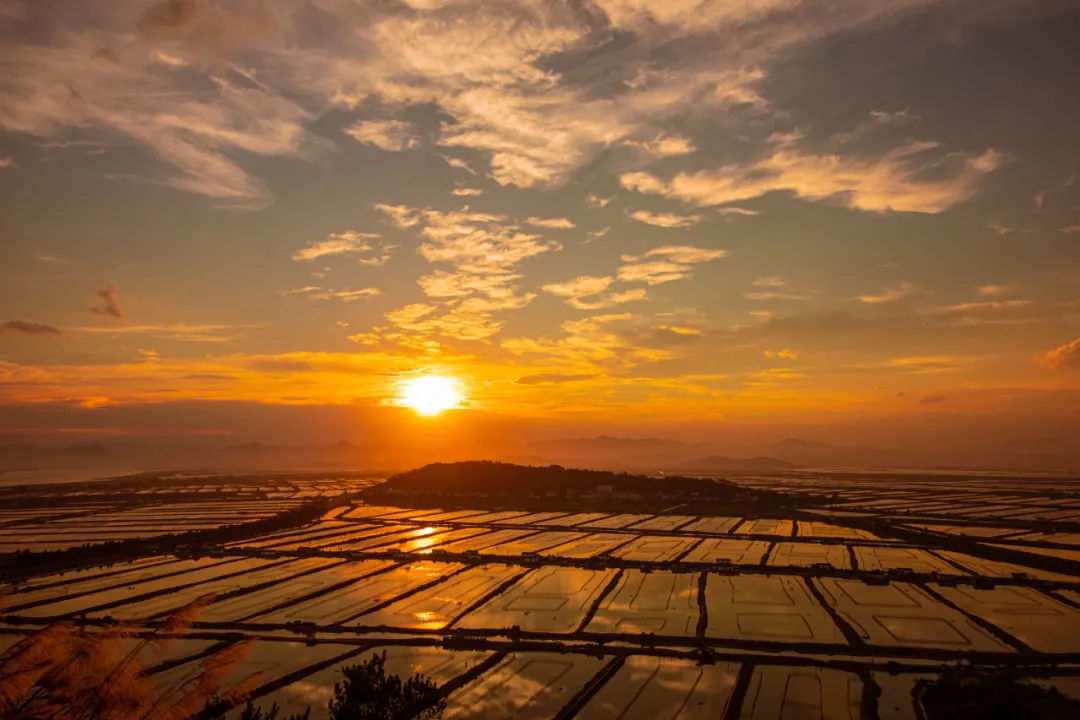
(301, 290)
(999, 229)
(664, 146)
(392, 135)
(29, 328)
(686, 254)
(466, 192)
(348, 241)
(738, 211)
(400, 215)
(595, 201)
(774, 287)
(203, 85)
(589, 344)
(1063, 357)
(7, 162)
(551, 223)
(168, 18)
(1070, 229)
(482, 251)
(906, 179)
(665, 220)
(585, 293)
(994, 312)
(761, 295)
(458, 163)
(903, 291)
(580, 286)
(346, 295)
(997, 290)
(317, 293)
(678, 330)
(735, 89)
(640, 15)
(178, 331)
(104, 79)
(108, 304)
(898, 117)
(53, 259)
(171, 60)
(786, 353)
(653, 273)
(921, 364)
(665, 264)
(553, 378)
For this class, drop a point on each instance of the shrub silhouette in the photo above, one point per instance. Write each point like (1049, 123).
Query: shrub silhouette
(366, 692)
(253, 713)
(958, 694)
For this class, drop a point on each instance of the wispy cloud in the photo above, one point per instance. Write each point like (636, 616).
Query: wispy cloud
(560, 223)
(7, 162)
(1063, 357)
(664, 146)
(887, 295)
(178, 331)
(314, 292)
(28, 328)
(906, 179)
(458, 163)
(595, 201)
(990, 312)
(665, 264)
(466, 192)
(53, 259)
(482, 250)
(995, 291)
(392, 135)
(349, 241)
(580, 286)
(589, 344)
(587, 293)
(665, 220)
(108, 303)
(346, 295)
(553, 378)
(176, 86)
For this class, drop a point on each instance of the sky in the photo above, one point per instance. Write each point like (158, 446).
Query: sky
(667, 217)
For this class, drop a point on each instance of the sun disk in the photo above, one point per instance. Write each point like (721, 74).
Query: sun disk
(430, 394)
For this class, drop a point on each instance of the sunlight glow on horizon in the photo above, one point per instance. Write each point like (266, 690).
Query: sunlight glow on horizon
(430, 394)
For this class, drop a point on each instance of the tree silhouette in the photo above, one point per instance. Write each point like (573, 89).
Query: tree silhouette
(366, 692)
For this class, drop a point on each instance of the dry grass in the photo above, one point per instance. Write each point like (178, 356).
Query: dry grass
(62, 673)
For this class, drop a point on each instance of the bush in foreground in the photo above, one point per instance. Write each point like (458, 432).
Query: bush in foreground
(991, 697)
(366, 692)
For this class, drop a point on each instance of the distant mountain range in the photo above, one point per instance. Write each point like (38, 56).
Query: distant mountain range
(603, 452)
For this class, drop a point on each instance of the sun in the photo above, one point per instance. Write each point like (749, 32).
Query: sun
(430, 394)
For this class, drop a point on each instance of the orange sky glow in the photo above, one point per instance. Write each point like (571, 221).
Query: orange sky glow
(682, 219)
